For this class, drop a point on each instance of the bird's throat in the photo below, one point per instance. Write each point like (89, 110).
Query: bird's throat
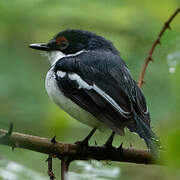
(54, 56)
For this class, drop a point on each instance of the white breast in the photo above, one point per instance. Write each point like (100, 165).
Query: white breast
(66, 104)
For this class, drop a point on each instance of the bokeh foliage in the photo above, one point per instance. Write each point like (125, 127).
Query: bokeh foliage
(131, 26)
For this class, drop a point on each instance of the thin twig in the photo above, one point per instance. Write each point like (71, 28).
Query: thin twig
(156, 42)
(65, 162)
(50, 169)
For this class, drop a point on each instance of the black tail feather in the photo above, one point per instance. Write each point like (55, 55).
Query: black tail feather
(145, 132)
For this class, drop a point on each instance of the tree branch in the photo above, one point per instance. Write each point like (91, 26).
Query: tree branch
(156, 42)
(75, 151)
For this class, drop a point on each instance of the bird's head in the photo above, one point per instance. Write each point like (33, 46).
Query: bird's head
(70, 42)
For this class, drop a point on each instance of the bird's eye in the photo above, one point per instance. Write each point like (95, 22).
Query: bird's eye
(62, 42)
(64, 45)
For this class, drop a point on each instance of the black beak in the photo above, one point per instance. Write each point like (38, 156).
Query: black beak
(40, 46)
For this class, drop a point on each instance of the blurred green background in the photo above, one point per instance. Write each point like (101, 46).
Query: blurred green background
(131, 26)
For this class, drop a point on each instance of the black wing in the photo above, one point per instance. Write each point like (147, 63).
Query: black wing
(100, 83)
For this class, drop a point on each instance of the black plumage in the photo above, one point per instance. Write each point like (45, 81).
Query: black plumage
(107, 71)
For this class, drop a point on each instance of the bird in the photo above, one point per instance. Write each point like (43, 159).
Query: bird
(90, 81)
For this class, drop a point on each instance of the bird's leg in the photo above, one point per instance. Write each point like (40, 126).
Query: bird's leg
(84, 142)
(108, 143)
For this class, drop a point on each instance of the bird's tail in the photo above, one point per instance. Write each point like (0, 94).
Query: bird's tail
(145, 132)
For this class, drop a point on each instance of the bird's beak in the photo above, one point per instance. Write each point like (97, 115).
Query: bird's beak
(40, 46)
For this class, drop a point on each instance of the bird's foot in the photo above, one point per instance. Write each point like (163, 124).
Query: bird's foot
(85, 141)
(109, 141)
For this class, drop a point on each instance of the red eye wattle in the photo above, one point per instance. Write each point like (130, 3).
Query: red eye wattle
(60, 40)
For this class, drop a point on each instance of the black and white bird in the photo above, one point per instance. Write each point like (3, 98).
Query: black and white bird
(89, 80)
